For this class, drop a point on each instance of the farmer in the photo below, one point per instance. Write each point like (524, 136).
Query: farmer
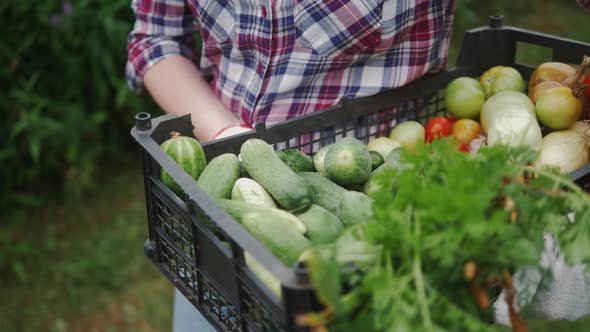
(272, 60)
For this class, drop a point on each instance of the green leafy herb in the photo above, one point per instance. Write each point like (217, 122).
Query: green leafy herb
(453, 229)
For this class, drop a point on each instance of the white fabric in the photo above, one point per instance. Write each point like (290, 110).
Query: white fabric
(563, 293)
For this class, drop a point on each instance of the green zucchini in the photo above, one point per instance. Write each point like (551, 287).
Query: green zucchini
(238, 209)
(318, 159)
(219, 175)
(285, 243)
(288, 189)
(322, 225)
(267, 278)
(376, 159)
(355, 208)
(298, 161)
(324, 192)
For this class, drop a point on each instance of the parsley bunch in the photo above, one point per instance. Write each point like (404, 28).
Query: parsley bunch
(452, 228)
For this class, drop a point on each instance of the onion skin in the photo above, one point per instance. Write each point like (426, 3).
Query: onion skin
(556, 151)
(550, 71)
(540, 88)
(564, 75)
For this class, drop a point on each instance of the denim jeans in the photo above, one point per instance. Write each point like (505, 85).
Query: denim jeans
(187, 318)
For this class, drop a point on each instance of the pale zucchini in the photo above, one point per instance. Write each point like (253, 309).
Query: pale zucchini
(287, 220)
(250, 191)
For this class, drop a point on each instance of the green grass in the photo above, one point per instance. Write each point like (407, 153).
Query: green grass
(82, 268)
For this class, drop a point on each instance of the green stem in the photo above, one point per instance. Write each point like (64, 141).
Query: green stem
(558, 180)
(417, 271)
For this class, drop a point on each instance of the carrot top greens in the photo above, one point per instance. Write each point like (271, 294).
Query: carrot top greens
(451, 230)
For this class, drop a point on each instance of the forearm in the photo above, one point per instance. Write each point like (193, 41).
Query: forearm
(178, 87)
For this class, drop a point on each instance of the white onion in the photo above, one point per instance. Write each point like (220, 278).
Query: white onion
(566, 149)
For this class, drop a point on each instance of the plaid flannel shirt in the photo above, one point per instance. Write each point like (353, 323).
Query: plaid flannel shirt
(271, 60)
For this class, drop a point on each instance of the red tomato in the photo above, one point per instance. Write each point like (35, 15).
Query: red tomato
(463, 147)
(438, 127)
(587, 88)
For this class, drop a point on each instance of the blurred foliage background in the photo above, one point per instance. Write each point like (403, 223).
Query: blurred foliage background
(73, 226)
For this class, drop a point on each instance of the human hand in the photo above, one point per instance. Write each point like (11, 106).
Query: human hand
(232, 130)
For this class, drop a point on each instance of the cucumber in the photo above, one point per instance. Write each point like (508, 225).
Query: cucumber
(376, 159)
(288, 189)
(394, 156)
(324, 192)
(287, 220)
(267, 278)
(250, 191)
(355, 208)
(348, 162)
(285, 243)
(298, 161)
(322, 225)
(383, 145)
(219, 175)
(281, 155)
(374, 185)
(318, 159)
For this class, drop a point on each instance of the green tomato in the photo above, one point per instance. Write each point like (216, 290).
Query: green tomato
(501, 78)
(408, 134)
(464, 98)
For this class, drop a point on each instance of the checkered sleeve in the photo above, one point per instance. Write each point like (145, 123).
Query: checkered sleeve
(162, 28)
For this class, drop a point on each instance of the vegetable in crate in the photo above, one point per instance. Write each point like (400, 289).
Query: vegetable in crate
(284, 243)
(383, 145)
(438, 225)
(355, 208)
(552, 75)
(509, 118)
(409, 134)
(466, 130)
(501, 78)
(318, 159)
(188, 153)
(558, 108)
(288, 189)
(324, 192)
(219, 176)
(250, 191)
(566, 149)
(238, 209)
(271, 282)
(464, 98)
(298, 161)
(322, 225)
(376, 159)
(348, 162)
(438, 127)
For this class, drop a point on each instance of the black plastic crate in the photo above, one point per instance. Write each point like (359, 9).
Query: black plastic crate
(207, 263)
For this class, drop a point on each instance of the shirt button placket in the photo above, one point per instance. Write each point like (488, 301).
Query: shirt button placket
(260, 67)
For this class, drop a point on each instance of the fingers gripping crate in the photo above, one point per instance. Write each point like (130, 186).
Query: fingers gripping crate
(200, 248)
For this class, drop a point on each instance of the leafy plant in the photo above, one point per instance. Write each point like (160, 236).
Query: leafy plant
(453, 229)
(64, 97)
